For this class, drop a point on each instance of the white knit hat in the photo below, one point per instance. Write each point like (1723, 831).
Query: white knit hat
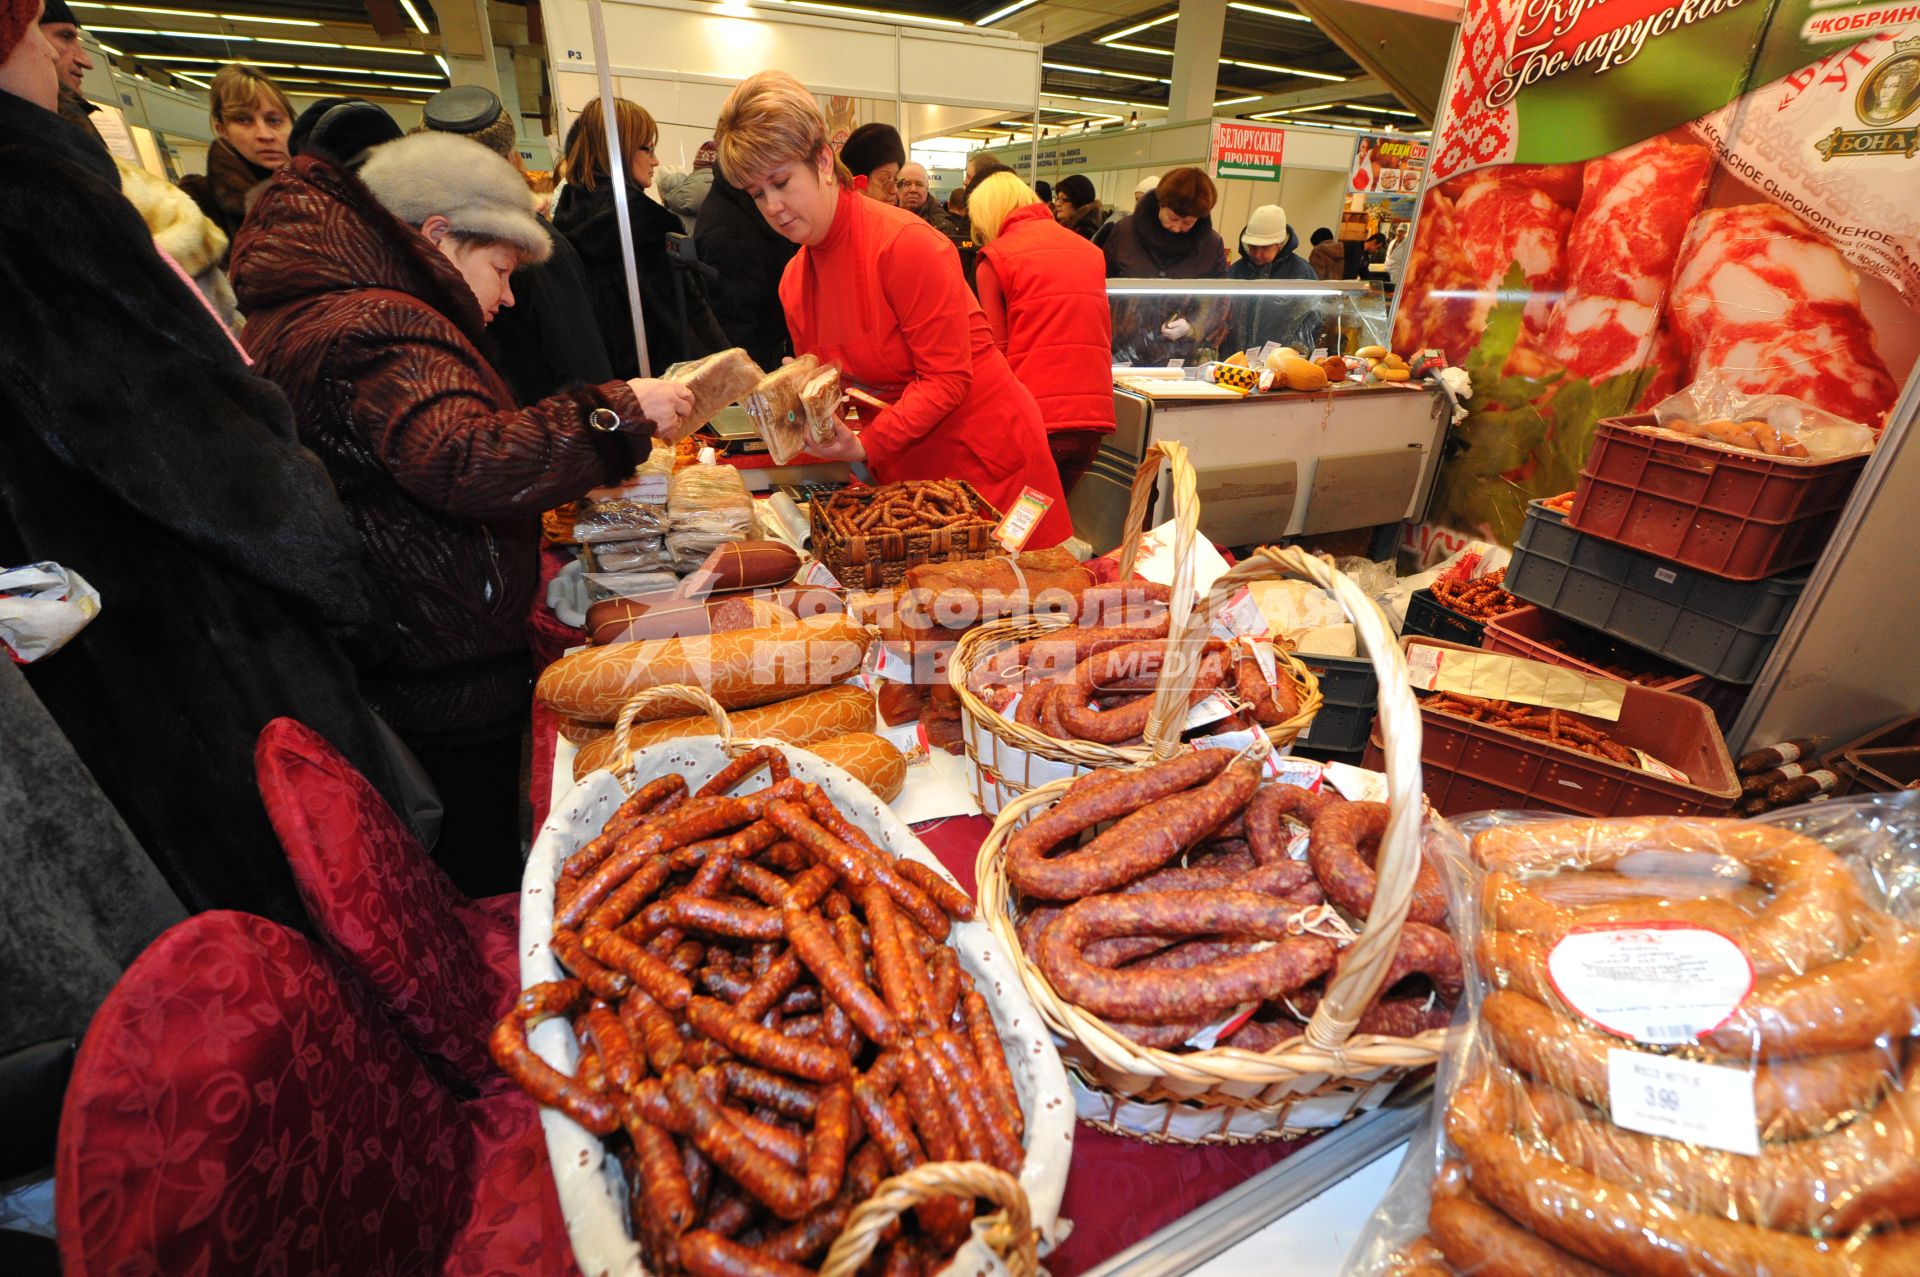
(475, 189)
(1268, 225)
(1145, 184)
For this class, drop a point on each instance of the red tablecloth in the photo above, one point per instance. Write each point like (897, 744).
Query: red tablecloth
(1119, 1190)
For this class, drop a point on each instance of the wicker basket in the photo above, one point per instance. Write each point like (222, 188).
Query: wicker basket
(591, 1185)
(1006, 759)
(1326, 1071)
(878, 559)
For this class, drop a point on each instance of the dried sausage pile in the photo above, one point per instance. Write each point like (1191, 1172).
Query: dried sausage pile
(1479, 598)
(1547, 1182)
(1094, 681)
(1189, 904)
(907, 506)
(766, 1010)
(1556, 727)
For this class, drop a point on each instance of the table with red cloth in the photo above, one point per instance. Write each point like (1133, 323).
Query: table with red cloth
(1119, 1190)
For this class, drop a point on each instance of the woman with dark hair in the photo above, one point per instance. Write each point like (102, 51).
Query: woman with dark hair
(1076, 206)
(1169, 234)
(879, 291)
(873, 153)
(589, 216)
(369, 299)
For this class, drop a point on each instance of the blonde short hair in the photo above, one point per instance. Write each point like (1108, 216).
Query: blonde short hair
(586, 160)
(236, 87)
(993, 200)
(768, 120)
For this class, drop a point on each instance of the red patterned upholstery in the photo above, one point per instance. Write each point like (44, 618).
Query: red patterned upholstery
(240, 1106)
(444, 966)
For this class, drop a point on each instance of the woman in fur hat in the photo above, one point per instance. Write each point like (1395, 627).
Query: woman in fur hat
(367, 300)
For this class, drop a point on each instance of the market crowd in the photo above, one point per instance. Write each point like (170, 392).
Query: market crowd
(296, 420)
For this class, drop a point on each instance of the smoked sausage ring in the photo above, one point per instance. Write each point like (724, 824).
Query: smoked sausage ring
(1334, 852)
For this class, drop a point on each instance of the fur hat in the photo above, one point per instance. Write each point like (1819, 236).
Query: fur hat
(476, 190)
(1267, 226)
(15, 17)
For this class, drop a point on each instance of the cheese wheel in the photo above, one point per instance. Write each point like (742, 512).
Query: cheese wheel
(871, 760)
(740, 668)
(802, 720)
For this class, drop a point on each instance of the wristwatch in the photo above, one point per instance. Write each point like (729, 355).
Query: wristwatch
(604, 419)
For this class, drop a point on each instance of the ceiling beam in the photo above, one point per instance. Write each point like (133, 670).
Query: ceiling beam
(1406, 51)
(1363, 87)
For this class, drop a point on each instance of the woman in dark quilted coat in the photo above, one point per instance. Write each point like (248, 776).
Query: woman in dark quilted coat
(367, 301)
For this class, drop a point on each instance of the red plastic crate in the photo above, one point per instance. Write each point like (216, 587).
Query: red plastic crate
(1901, 733)
(1734, 514)
(1468, 766)
(1532, 631)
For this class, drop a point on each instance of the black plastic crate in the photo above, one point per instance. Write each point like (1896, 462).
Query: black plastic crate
(1428, 617)
(1719, 627)
(1349, 692)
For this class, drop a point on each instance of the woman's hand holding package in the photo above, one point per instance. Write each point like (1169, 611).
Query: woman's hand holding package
(846, 445)
(666, 404)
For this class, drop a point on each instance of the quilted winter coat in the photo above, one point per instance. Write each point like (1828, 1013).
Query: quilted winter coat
(377, 341)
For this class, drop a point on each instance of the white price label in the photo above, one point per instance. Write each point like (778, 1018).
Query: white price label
(1209, 1037)
(817, 573)
(890, 665)
(1708, 1104)
(1660, 983)
(1028, 509)
(1271, 763)
(1211, 710)
(1263, 657)
(1240, 617)
(909, 738)
(1648, 763)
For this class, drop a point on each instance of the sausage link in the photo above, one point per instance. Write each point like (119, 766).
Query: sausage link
(842, 984)
(1002, 1136)
(1271, 703)
(610, 1039)
(602, 980)
(656, 798)
(705, 1253)
(782, 1094)
(666, 1195)
(694, 822)
(546, 1084)
(1266, 826)
(1002, 1094)
(716, 917)
(946, 988)
(889, 957)
(829, 1142)
(1478, 1239)
(943, 891)
(962, 1106)
(767, 756)
(668, 987)
(779, 1189)
(881, 863)
(770, 988)
(626, 899)
(1335, 854)
(763, 1046)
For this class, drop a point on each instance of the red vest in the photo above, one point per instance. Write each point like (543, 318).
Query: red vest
(1059, 329)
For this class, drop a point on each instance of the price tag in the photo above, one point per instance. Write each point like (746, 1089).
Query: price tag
(1019, 523)
(1648, 763)
(909, 738)
(1263, 657)
(1319, 353)
(1211, 710)
(889, 665)
(1707, 1104)
(817, 573)
(1209, 1037)
(1271, 765)
(1240, 617)
(1660, 982)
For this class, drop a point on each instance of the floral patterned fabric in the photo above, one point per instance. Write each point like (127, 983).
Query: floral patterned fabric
(443, 966)
(239, 1106)
(515, 1225)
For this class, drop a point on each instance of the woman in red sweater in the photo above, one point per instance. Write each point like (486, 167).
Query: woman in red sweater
(878, 291)
(1044, 291)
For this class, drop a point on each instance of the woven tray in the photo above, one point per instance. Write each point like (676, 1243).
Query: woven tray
(1326, 1071)
(1006, 759)
(592, 1187)
(882, 558)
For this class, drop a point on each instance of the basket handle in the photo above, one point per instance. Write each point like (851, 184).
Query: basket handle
(696, 698)
(1364, 965)
(1009, 1232)
(1162, 733)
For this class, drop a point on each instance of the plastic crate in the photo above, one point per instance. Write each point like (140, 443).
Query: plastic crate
(1735, 514)
(1350, 692)
(1539, 635)
(1428, 616)
(1469, 766)
(1901, 733)
(1882, 771)
(1723, 629)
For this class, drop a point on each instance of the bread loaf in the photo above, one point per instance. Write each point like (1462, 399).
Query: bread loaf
(802, 720)
(740, 668)
(715, 381)
(777, 410)
(666, 615)
(871, 760)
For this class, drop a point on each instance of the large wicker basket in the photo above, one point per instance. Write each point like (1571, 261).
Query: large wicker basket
(868, 561)
(1322, 1077)
(591, 1185)
(1006, 758)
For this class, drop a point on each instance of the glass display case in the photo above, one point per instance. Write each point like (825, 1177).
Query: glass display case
(1158, 322)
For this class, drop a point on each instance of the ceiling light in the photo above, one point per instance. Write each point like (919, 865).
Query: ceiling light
(1007, 12)
(201, 13)
(1141, 48)
(1380, 110)
(1254, 97)
(1148, 106)
(163, 59)
(1278, 70)
(444, 68)
(1262, 10)
(1118, 75)
(419, 24)
(109, 50)
(369, 86)
(850, 11)
(396, 50)
(1135, 30)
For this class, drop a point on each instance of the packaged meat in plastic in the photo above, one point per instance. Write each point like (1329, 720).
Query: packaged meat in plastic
(1721, 412)
(707, 506)
(716, 381)
(794, 405)
(642, 554)
(1690, 1052)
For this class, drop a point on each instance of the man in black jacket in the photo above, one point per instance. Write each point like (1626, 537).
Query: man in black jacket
(548, 339)
(750, 256)
(139, 451)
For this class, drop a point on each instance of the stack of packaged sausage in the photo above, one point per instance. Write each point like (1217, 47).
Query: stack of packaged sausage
(1691, 1054)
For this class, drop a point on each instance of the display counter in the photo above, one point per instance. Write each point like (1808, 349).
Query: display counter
(1270, 465)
